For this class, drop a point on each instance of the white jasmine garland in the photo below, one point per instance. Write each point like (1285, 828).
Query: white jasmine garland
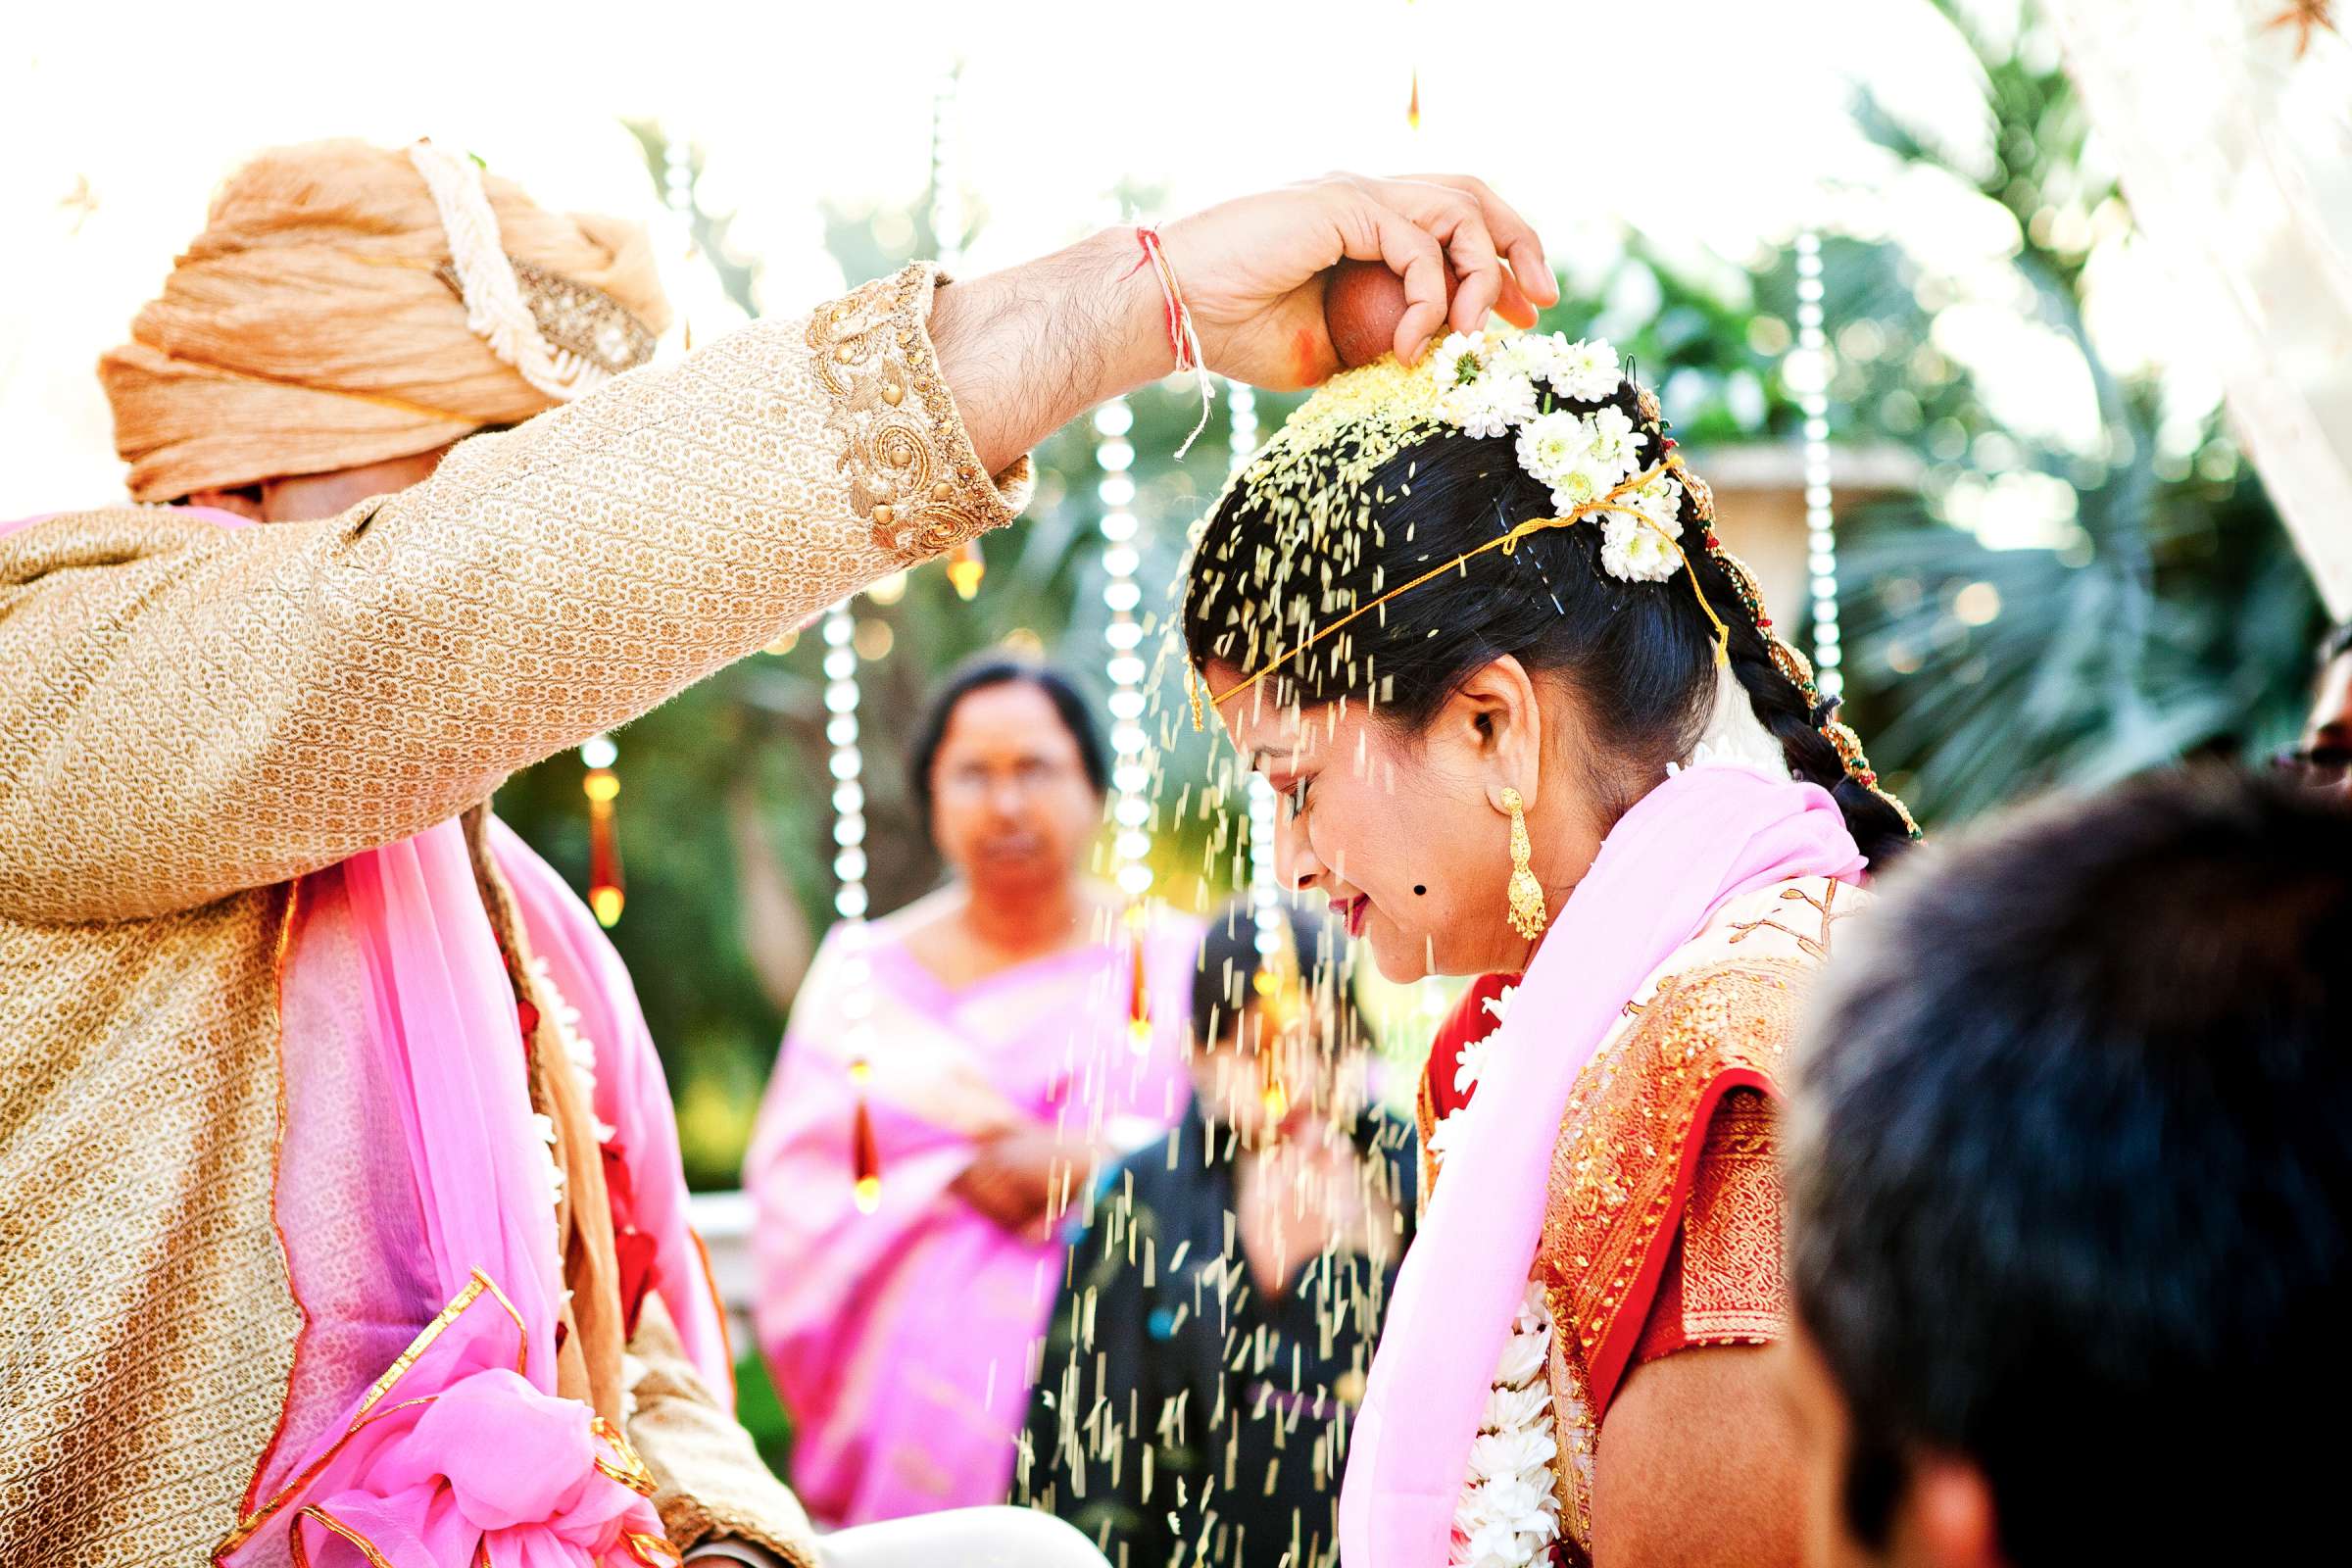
(1507, 1453)
(1509, 1513)
(1515, 1407)
(579, 1049)
(1441, 1136)
(1523, 1356)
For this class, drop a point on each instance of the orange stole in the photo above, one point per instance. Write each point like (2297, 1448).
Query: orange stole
(1623, 1173)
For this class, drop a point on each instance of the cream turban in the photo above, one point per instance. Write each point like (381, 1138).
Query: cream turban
(340, 309)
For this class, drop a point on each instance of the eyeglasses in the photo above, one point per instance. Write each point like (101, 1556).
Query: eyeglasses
(974, 783)
(2324, 767)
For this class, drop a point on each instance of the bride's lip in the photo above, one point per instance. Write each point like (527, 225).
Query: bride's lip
(1353, 911)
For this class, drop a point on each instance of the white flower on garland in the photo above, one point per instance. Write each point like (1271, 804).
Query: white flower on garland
(1660, 501)
(579, 1049)
(1586, 370)
(1509, 1513)
(545, 1126)
(1616, 444)
(1554, 447)
(1490, 405)
(1635, 550)
(1442, 1137)
(1461, 361)
(1529, 354)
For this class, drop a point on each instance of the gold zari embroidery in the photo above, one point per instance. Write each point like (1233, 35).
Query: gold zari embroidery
(913, 475)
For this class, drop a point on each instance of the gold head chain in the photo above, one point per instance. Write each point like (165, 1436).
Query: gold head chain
(1508, 544)
(1791, 664)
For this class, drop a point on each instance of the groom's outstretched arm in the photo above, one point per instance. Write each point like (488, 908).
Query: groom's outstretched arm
(188, 712)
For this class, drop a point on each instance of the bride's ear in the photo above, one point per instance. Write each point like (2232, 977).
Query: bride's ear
(1492, 729)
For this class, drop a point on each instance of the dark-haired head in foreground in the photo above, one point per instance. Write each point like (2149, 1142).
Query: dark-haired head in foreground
(2071, 1190)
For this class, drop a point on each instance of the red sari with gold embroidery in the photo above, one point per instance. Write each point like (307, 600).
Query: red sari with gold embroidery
(1662, 1225)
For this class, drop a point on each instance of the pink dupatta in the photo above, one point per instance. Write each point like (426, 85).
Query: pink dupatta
(904, 1340)
(1704, 837)
(415, 1206)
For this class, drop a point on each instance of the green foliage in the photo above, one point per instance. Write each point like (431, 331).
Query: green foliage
(2170, 616)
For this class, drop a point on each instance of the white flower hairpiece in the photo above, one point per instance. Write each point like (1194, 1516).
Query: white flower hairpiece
(1496, 383)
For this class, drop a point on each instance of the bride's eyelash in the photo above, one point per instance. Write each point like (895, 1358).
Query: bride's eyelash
(1298, 794)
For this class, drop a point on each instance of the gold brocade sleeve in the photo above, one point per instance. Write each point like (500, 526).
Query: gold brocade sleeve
(1733, 1287)
(712, 1482)
(188, 711)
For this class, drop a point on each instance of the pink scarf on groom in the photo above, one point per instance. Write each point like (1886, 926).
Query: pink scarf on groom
(1706, 836)
(416, 1205)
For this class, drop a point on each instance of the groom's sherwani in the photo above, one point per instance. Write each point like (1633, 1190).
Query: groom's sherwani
(192, 718)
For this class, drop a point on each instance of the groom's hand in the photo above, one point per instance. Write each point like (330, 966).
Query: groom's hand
(1252, 269)
(1028, 349)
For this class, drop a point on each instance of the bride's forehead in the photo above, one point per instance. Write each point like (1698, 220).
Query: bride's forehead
(1282, 730)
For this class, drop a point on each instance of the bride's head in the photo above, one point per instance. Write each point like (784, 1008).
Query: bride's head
(1572, 666)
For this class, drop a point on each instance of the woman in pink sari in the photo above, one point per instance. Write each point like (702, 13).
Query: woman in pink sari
(951, 1075)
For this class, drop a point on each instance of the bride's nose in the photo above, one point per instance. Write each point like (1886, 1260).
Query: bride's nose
(1295, 863)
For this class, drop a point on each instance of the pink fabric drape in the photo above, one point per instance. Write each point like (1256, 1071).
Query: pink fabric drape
(399, 1023)
(414, 1204)
(904, 1339)
(632, 1093)
(1704, 837)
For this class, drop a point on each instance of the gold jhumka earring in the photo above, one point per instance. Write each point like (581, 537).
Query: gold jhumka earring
(1528, 914)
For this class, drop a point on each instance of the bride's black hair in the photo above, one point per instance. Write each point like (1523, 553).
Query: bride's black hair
(1267, 572)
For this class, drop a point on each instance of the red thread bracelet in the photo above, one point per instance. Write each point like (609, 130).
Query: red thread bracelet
(1183, 341)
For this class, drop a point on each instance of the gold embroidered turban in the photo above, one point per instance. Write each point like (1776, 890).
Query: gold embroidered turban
(347, 304)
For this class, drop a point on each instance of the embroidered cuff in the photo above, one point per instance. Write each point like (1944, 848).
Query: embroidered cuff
(912, 475)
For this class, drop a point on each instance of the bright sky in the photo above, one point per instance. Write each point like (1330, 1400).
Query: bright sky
(1711, 132)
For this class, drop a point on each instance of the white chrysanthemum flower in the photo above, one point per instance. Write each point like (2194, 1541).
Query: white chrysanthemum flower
(1441, 1136)
(1507, 1515)
(1584, 482)
(1490, 406)
(1501, 1543)
(1522, 1359)
(1616, 444)
(1636, 552)
(1469, 1062)
(1535, 1312)
(1661, 502)
(1509, 1453)
(1513, 1407)
(1527, 354)
(1514, 1501)
(1459, 360)
(1553, 446)
(1500, 1004)
(1585, 370)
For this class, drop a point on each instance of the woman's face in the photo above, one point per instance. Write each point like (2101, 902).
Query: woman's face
(1011, 805)
(1402, 832)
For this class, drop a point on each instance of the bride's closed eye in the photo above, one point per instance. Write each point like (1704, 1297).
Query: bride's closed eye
(1298, 795)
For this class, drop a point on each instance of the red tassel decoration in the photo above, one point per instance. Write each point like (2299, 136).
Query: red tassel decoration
(865, 1156)
(605, 894)
(1139, 994)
